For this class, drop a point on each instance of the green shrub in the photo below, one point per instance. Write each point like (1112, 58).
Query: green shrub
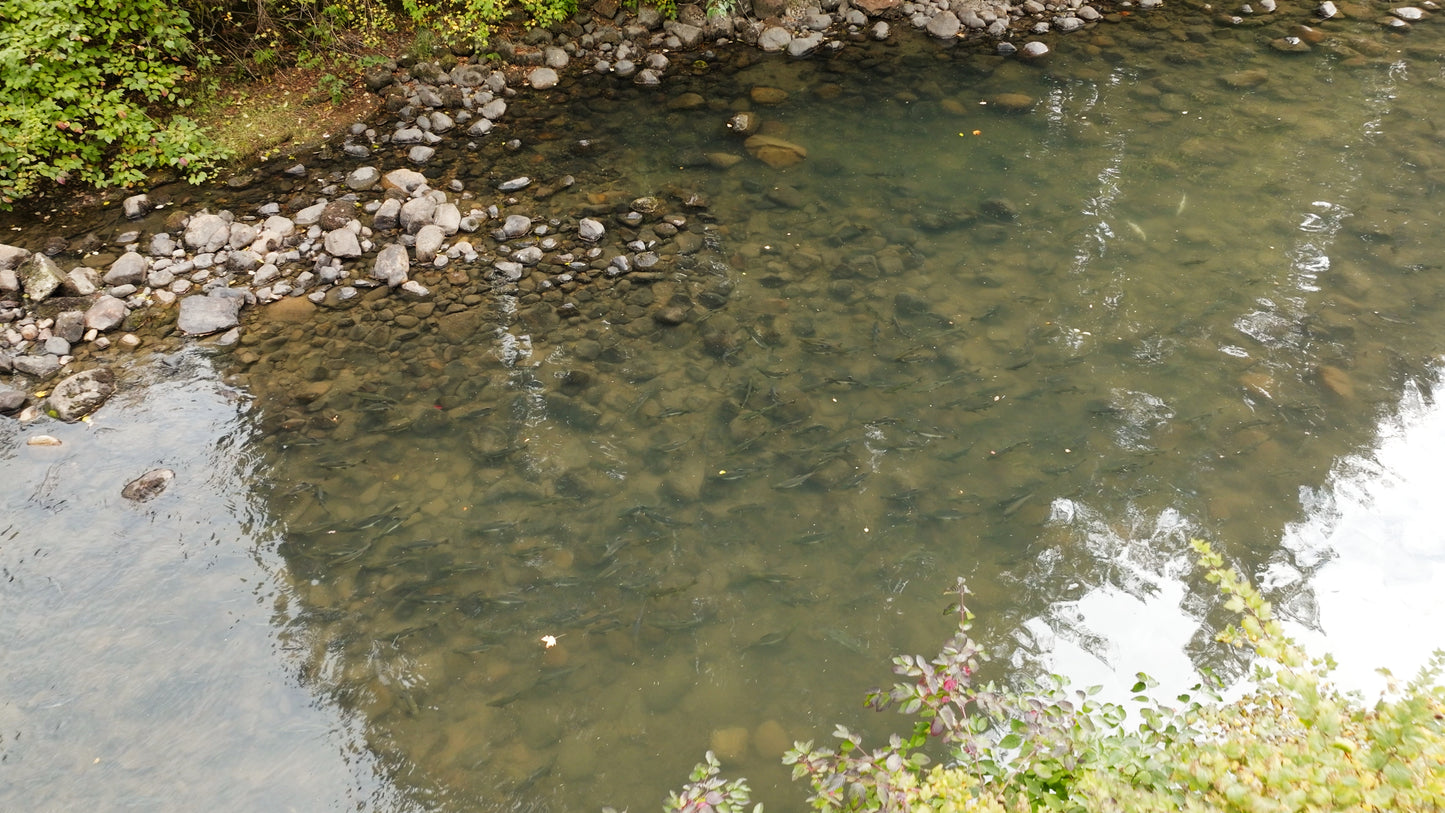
(1294, 742)
(80, 81)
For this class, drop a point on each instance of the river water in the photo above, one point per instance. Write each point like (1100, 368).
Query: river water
(1187, 287)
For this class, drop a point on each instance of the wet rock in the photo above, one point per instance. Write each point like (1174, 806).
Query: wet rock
(342, 243)
(775, 152)
(414, 291)
(1033, 49)
(202, 315)
(1409, 13)
(408, 135)
(515, 184)
(135, 206)
(647, 77)
(590, 230)
(1327, 10)
(39, 276)
(774, 38)
(148, 485)
(745, 123)
(480, 127)
(207, 233)
(420, 154)
(81, 394)
(41, 366)
(392, 265)
(43, 440)
(543, 78)
(516, 226)
(11, 399)
(130, 269)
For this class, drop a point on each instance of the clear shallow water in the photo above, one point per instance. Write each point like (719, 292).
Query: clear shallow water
(1154, 306)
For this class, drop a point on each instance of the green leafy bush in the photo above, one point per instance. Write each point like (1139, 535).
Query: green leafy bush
(1294, 742)
(79, 83)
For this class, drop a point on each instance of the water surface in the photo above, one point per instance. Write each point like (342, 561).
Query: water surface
(1038, 349)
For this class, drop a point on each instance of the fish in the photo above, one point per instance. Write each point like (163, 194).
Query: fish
(770, 640)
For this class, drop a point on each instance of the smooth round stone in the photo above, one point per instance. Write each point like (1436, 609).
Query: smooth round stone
(1409, 13)
(420, 154)
(542, 78)
(1033, 49)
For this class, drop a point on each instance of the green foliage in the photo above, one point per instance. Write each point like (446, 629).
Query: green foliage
(80, 81)
(1294, 742)
(334, 87)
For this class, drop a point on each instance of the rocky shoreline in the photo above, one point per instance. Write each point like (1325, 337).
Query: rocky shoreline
(397, 226)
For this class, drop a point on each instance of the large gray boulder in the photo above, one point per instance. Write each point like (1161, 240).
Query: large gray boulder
(39, 276)
(81, 394)
(11, 399)
(12, 256)
(207, 233)
(392, 265)
(342, 243)
(130, 269)
(106, 314)
(40, 366)
(417, 212)
(203, 315)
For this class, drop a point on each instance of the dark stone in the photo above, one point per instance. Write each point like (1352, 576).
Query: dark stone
(148, 485)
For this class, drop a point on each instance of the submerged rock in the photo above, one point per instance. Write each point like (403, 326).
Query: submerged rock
(775, 152)
(148, 485)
